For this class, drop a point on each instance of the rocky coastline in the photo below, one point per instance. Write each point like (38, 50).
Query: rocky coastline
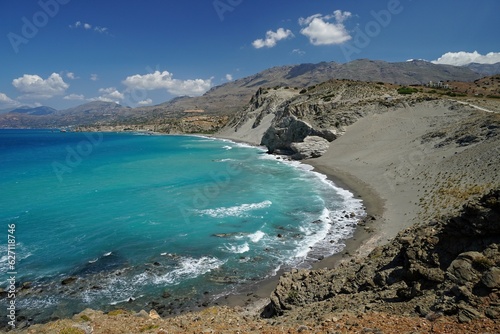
(427, 258)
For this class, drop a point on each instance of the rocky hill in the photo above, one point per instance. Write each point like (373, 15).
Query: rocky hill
(447, 267)
(485, 69)
(301, 123)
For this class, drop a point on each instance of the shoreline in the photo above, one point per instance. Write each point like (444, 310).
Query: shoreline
(255, 296)
(383, 161)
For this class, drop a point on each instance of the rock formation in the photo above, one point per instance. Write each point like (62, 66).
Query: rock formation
(282, 118)
(450, 266)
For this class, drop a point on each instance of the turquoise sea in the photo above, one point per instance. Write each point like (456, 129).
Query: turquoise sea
(131, 217)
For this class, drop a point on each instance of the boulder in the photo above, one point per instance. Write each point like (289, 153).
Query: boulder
(311, 147)
(492, 278)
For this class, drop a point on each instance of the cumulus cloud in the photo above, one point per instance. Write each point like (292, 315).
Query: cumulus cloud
(33, 86)
(7, 102)
(272, 38)
(94, 77)
(110, 94)
(229, 77)
(464, 58)
(146, 102)
(322, 32)
(74, 97)
(165, 80)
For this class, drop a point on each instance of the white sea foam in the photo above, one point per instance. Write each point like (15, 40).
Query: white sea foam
(256, 237)
(235, 211)
(237, 249)
(334, 227)
(314, 233)
(227, 147)
(189, 268)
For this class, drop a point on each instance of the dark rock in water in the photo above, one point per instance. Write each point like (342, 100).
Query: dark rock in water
(166, 294)
(223, 235)
(26, 286)
(69, 280)
(109, 262)
(280, 235)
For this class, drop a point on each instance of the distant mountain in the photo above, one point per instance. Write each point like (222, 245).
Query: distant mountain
(96, 107)
(231, 97)
(36, 111)
(6, 110)
(485, 69)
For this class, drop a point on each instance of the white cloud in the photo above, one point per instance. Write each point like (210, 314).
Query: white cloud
(101, 30)
(6, 102)
(71, 75)
(94, 77)
(110, 94)
(33, 86)
(272, 38)
(75, 97)
(321, 32)
(298, 52)
(165, 80)
(146, 102)
(464, 58)
(229, 77)
(88, 26)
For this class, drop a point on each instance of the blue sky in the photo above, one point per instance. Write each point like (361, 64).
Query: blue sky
(63, 53)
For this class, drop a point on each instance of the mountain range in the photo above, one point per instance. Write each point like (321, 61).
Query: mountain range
(231, 97)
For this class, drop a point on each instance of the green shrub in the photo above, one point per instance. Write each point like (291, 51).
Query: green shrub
(85, 318)
(407, 90)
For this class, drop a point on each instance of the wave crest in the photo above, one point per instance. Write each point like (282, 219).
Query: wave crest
(235, 211)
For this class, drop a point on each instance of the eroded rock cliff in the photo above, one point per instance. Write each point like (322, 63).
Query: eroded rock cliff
(281, 118)
(445, 267)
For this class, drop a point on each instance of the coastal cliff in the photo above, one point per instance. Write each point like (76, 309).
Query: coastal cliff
(282, 118)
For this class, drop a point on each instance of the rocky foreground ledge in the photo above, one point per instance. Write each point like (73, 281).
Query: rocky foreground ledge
(449, 267)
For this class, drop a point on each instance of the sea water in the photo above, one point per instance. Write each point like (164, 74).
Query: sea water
(133, 216)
